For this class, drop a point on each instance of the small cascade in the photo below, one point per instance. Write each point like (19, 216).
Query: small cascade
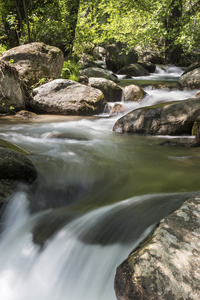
(98, 194)
(80, 260)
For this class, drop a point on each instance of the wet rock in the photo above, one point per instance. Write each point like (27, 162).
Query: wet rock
(117, 56)
(133, 93)
(14, 168)
(170, 118)
(117, 109)
(67, 97)
(98, 72)
(166, 265)
(112, 92)
(13, 93)
(35, 61)
(150, 67)
(133, 70)
(191, 77)
(24, 114)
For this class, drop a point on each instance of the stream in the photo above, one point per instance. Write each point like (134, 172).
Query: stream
(97, 195)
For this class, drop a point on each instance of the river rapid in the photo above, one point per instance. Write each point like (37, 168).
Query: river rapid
(98, 194)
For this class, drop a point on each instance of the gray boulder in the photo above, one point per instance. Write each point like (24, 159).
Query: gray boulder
(35, 61)
(133, 93)
(173, 118)
(191, 77)
(13, 93)
(133, 70)
(67, 97)
(112, 92)
(117, 56)
(98, 72)
(166, 265)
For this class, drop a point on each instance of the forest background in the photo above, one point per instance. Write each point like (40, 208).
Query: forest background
(170, 27)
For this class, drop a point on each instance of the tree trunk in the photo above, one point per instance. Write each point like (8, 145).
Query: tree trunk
(173, 21)
(73, 8)
(27, 21)
(20, 18)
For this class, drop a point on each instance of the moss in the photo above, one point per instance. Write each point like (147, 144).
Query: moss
(12, 146)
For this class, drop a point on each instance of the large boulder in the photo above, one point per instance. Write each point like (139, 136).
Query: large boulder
(166, 265)
(133, 93)
(133, 70)
(173, 118)
(13, 93)
(98, 72)
(191, 77)
(117, 56)
(15, 167)
(112, 92)
(67, 97)
(35, 61)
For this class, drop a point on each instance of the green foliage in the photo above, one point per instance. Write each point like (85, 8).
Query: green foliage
(70, 70)
(11, 62)
(164, 25)
(2, 49)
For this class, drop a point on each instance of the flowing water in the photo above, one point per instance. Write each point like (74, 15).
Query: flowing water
(98, 194)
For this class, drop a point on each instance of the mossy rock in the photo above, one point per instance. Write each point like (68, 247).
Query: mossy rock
(12, 146)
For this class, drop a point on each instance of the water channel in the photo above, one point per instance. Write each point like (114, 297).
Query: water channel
(98, 194)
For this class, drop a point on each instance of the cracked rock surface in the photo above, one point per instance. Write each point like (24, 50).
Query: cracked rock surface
(167, 264)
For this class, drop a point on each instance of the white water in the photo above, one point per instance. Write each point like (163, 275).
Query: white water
(109, 189)
(67, 267)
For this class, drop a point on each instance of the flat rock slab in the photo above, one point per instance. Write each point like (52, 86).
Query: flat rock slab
(167, 264)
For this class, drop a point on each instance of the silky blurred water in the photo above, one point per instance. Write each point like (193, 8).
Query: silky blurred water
(98, 194)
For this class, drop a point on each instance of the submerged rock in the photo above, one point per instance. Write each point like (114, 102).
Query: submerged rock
(35, 61)
(112, 92)
(173, 118)
(166, 265)
(180, 142)
(67, 97)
